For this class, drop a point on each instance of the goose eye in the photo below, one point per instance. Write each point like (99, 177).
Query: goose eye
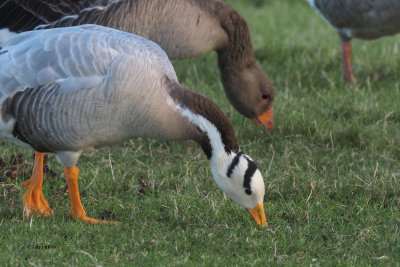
(264, 96)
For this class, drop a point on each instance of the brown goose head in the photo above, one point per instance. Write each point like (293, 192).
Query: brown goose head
(251, 92)
(247, 86)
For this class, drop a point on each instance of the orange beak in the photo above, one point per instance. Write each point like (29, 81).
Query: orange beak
(258, 214)
(266, 118)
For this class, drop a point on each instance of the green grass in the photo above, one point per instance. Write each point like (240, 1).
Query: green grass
(331, 168)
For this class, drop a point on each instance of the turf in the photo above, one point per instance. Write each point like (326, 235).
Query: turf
(331, 168)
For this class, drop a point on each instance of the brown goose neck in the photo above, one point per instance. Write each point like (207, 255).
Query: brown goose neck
(197, 105)
(238, 52)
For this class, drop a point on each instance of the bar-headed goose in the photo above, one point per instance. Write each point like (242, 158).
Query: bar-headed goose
(183, 28)
(364, 19)
(63, 90)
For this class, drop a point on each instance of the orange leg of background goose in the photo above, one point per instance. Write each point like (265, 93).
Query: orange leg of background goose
(34, 201)
(346, 57)
(77, 210)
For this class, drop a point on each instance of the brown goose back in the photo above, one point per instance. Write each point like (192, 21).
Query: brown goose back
(182, 28)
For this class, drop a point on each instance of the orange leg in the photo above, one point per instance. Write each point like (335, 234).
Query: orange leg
(34, 201)
(77, 210)
(346, 57)
(26, 183)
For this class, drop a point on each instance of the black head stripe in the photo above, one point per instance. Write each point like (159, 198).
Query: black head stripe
(233, 164)
(251, 169)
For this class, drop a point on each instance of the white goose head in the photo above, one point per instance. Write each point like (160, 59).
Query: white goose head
(240, 179)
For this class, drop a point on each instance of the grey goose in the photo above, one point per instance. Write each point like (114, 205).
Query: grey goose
(63, 90)
(364, 19)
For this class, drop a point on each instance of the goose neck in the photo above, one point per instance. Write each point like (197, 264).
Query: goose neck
(238, 52)
(214, 131)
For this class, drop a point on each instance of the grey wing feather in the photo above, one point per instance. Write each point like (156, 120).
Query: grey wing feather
(76, 57)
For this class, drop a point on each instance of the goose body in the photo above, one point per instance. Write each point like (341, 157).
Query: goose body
(101, 73)
(63, 90)
(363, 19)
(183, 28)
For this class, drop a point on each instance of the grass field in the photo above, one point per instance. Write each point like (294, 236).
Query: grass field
(331, 168)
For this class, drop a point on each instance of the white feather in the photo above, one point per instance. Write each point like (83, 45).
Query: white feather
(5, 34)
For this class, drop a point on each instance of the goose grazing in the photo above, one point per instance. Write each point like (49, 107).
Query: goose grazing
(63, 90)
(364, 19)
(183, 28)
